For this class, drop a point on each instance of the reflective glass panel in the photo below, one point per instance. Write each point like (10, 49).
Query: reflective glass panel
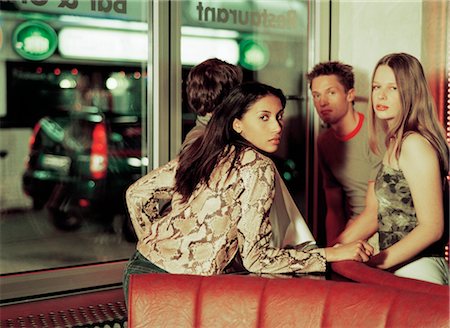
(269, 40)
(73, 104)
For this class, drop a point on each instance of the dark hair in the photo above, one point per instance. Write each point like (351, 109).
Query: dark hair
(197, 161)
(343, 72)
(209, 82)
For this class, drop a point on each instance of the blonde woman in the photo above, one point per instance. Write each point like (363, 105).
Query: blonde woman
(406, 203)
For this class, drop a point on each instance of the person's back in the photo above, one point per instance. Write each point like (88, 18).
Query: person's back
(202, 232)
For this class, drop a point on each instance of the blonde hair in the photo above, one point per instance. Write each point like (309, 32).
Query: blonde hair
(418, 109)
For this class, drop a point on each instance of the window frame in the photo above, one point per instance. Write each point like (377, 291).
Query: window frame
(163, 130)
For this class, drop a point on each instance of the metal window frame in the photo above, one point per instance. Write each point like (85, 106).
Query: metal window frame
(319, 41)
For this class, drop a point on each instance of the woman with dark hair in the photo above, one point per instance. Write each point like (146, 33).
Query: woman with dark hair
(407, 203)
(221, 190)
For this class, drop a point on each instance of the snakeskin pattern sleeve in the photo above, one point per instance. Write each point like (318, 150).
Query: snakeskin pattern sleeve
(143, 197)
(254, 230)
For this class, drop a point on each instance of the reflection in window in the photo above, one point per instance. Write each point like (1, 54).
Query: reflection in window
(270, 41)
(72, 131)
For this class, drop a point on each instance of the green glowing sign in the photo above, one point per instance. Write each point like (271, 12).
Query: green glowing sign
(253, 55)
(34, 40)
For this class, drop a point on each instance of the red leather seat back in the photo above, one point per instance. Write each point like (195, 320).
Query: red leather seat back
(167, 300)
(229, 302)
(162, 300)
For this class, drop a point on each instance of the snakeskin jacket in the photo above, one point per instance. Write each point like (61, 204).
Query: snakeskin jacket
(227, 215)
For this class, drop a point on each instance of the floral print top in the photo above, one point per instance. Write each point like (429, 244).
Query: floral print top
(229, 214)
(396, 213)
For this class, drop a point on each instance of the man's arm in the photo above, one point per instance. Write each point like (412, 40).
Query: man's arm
(365, 224)
(335, 220)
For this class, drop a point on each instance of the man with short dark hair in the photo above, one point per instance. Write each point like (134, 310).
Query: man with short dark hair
(346, 162)
(207, 85)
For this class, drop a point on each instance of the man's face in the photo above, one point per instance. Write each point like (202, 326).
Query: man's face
(330, 99)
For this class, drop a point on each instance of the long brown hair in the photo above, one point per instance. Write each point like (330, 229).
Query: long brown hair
(197, 161)
(418, 109)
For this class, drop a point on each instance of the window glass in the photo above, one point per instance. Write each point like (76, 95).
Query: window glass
(73, 76)
(73, 132)
(269, 40)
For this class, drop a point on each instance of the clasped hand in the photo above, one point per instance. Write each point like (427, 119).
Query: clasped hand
(359, 251)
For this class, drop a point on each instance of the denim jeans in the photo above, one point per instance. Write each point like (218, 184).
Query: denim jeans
(136, 265)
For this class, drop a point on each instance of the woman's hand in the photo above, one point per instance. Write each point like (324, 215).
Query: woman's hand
(357, 251)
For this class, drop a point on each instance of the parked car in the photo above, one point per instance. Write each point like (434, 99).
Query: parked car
(80, 165)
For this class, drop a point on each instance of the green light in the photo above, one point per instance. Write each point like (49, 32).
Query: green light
(34, 40)
(287, 176)
(290, 164)
(253, 55)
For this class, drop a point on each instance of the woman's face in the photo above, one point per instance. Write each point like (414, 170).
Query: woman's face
(262, 124)
(385, 95)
